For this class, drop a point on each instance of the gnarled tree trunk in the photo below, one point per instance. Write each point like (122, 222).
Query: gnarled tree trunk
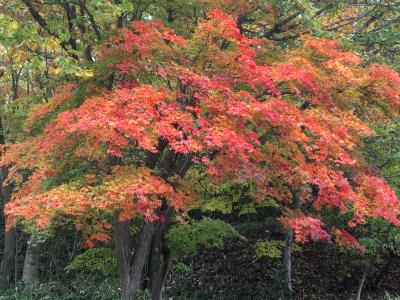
(131, 265)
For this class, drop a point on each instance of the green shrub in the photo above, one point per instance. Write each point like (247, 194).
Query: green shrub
(96, 260)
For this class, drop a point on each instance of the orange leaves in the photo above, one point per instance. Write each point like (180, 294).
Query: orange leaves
(343, 238)
(97, 233)
(60, 95)
(334, 189)
(132, 192)
(23, 156)
(337, 133)
(136, 191)
(127, 190)
(146, 37)
(101, 237)
(112, 119)
(368, 196)
(41, 208)
(220, 25)
(385, 84)
(298, 78)
(329, 49)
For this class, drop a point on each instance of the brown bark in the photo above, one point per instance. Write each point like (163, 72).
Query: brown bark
(160, 276)
(160, 259)
(130, 266)
(141, 255)
(123, 247)
(150, 248)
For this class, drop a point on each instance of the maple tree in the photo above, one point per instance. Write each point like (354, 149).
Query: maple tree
(289, 123)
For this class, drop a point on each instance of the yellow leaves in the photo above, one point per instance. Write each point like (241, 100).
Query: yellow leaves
(84, 73)
(51, 43)
(55, 71)
(17, 56)
(13, 25)
(270, 249)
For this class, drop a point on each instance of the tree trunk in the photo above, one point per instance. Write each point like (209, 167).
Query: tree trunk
(7, 262)
(160, 259)
(150, 248)
(361, 284)
(287, 253)
(156, 266)
(30, 272)
(131, 266)
(159, 278)
(124, 257)
(140, 258)
(287, 265)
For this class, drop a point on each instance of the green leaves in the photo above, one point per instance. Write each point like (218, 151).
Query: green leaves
(187, 238)
(271, 249)
(126, 6)
(95, 260)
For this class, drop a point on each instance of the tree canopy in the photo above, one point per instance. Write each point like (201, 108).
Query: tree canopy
(115, 112)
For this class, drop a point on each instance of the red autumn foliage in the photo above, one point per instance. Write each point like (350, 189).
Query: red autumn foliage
(286, 126)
